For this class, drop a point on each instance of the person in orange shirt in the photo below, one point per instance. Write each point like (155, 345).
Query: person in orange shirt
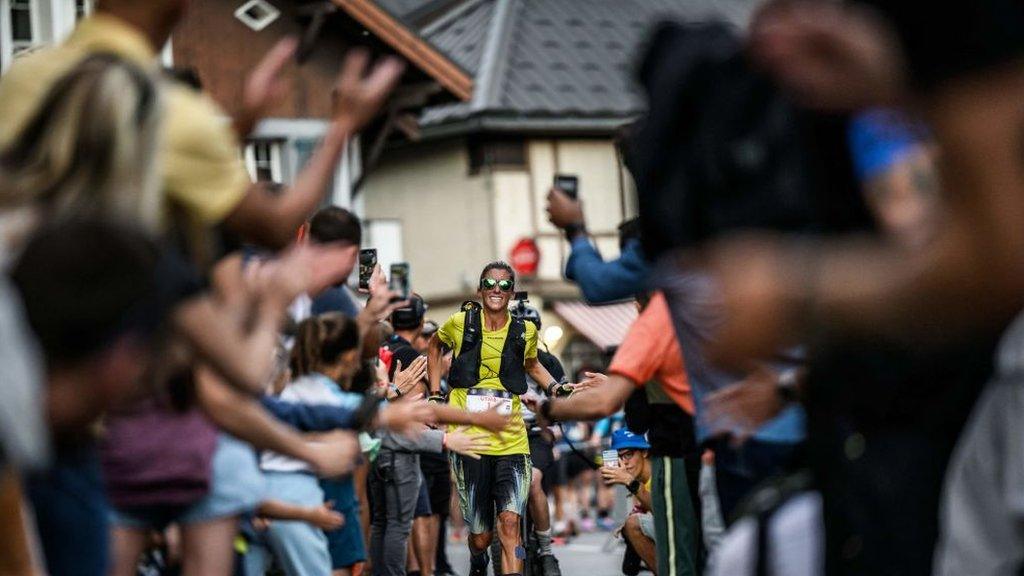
(648, 367)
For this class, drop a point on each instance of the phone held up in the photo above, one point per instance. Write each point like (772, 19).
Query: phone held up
(367, 262)
(569, 184)
(610, 458)
(398, 281)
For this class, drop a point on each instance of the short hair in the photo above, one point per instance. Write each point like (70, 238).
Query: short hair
(335, 224)
(498, 265)
(86, 283)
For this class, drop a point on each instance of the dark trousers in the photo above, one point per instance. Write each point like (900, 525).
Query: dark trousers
(394, 490)
(72, 515)
(738, 470)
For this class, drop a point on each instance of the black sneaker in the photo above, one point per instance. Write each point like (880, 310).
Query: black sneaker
(630, 562)
(480, 567)
(549, 566)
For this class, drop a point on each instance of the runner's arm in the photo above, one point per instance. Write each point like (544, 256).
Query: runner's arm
(434, 357)
(539, 373)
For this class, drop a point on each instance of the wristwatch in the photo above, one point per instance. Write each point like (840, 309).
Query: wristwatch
(633, 486)
(573, 230)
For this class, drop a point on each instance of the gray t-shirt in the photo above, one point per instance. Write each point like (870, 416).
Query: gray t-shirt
(982, 513)
(24, 439)
(696, 314)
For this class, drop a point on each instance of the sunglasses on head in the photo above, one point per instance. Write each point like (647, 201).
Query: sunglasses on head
(490, 283)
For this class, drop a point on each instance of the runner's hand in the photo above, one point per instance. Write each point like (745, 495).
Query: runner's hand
(561, 390)
(461, 442)
(325, 517)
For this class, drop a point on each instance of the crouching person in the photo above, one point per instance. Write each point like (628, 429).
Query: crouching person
(633, 470)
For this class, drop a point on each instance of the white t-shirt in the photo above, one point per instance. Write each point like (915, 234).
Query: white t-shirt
(310, 389)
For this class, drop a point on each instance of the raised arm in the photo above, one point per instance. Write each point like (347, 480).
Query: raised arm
(272, 220)
(435, 353)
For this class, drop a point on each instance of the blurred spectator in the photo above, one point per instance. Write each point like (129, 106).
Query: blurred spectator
(339, 227)
(94, 295)
(649, 361)
(203, 173)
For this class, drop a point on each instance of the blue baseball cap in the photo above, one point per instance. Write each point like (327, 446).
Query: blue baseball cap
(623, 439)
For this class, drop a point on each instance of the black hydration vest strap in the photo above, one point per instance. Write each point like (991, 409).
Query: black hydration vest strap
(465, 370)
(513, 355)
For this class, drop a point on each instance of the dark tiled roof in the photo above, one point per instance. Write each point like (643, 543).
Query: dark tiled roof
(557, 59)
(412, 11)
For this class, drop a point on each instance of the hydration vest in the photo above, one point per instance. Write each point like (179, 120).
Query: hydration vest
(465, 370)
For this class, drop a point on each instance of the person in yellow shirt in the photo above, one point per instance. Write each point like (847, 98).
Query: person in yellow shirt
(203, 176)
(493, 355)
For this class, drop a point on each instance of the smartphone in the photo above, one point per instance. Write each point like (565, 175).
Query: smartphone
(610, 458)
(569, 184)
(367, 262)
(399, 280)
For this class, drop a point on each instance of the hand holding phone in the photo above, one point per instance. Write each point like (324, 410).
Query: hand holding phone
(367, 262)
(610, 458)
(568, 184)
(398, 281)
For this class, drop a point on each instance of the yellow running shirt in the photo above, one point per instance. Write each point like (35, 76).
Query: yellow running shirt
(513, 440)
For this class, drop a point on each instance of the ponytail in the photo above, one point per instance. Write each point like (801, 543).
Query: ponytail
(321, 340)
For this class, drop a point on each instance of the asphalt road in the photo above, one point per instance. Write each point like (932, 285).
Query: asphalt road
(586, 555)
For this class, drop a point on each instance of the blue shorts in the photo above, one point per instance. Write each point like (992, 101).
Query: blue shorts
(346, 543)
(423, 509)
(236, 487)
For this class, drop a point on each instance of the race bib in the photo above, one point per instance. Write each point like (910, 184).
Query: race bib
(484, 400)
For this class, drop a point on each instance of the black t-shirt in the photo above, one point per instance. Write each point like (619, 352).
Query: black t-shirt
(402, 351)
(882, 423)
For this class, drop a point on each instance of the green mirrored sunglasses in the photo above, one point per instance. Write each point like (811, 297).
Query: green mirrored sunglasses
(503, 285)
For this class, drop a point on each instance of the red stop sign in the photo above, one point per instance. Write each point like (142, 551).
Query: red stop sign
(525, 257)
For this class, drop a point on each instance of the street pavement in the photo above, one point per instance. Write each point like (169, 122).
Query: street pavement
(585, 555)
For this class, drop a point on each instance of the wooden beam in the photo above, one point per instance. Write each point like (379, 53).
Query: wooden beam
(410, 45)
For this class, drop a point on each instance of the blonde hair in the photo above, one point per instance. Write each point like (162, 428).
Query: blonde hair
(91, 148)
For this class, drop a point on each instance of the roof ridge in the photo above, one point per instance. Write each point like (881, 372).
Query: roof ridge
(450, 16)
(493, 62)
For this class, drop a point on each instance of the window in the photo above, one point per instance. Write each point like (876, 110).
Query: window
(23, 36)
(263, 160)
(504, 153)
(83, 8)
(257, 14)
